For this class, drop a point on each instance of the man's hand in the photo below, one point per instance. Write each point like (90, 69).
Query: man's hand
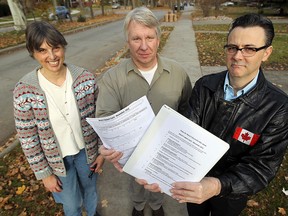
(151, 187)
(52, 183)
(96, 166)
(196, 192)
(113, 156)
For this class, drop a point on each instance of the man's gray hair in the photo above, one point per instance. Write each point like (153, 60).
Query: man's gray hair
(144, 16)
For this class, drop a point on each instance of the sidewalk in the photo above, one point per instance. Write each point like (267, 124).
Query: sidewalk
(113, 187)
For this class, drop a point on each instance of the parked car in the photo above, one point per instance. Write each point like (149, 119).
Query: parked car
(181, 6)
(61, 12)
(228, 3)
(252, 4)
(115, 6)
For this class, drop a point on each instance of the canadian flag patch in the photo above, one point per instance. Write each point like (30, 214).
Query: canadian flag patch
(245, 136)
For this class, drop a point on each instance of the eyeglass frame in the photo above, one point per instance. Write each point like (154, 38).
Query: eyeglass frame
(240, 49)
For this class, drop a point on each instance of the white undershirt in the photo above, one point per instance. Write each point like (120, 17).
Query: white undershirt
(148, 75)
(63, 114)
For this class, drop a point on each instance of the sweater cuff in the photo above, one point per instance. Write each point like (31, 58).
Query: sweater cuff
(43, 174)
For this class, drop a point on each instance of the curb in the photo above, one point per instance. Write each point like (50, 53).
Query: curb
(11, 49)
(9, 148)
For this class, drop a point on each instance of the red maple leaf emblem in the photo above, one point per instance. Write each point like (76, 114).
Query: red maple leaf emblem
(245, 136)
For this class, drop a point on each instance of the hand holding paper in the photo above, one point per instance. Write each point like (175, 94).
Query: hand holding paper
(123, 130)
(113, 156)
(154, 187)
(174, 149)
(196, 192)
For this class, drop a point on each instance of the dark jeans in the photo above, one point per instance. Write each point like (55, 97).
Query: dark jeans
(217, 206)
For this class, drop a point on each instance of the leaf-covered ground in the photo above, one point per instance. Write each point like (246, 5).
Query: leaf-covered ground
(17, 37)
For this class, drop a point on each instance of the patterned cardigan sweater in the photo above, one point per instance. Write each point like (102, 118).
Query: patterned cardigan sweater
(33, 126)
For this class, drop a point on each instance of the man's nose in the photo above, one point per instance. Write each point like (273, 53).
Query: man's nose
(144, 44)
(238, 54)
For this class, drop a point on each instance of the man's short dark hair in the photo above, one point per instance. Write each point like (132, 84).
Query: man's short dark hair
(253, 20)
(39, 31)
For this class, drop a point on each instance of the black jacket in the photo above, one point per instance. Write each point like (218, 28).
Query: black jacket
(244, 169)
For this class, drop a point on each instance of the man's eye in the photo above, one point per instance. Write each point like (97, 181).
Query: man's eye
(232, 48)
(249, 49)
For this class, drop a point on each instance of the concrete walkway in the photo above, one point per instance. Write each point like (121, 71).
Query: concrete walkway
(181, 46)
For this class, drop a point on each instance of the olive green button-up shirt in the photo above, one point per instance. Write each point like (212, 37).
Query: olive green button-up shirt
(123, 84)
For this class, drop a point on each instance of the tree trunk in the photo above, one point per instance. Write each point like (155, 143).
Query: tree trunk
(19, 18)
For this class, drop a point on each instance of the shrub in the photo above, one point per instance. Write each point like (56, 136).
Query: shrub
(81, 18)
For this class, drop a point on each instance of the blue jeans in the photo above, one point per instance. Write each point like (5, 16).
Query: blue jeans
(78, 189)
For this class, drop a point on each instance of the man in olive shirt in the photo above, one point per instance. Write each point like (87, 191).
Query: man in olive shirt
(162, 80)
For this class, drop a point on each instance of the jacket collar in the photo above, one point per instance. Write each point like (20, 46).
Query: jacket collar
(252, 98)
(256, 95)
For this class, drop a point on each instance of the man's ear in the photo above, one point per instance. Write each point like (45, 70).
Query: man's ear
(267, 53)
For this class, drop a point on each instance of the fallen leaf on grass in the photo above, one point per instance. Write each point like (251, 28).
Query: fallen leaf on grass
(8, 207)
(281, 211)
(252, 203)
(34, 188)
(13, 171)
(20, 190)
(3, 201)
(23, 213)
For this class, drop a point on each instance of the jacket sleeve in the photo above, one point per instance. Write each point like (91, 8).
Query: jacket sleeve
(256, 169)
(194, 102)
(184, 105)
(27, 130)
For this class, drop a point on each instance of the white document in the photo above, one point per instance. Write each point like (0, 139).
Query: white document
(174, 149)
(123, 130)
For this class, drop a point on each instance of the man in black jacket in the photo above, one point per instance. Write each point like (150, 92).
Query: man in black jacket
(241, 107)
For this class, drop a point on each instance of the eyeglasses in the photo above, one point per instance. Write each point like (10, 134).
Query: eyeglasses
(246, 51)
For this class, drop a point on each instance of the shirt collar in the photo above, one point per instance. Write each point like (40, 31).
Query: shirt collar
(161, 66)
(229, 92)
